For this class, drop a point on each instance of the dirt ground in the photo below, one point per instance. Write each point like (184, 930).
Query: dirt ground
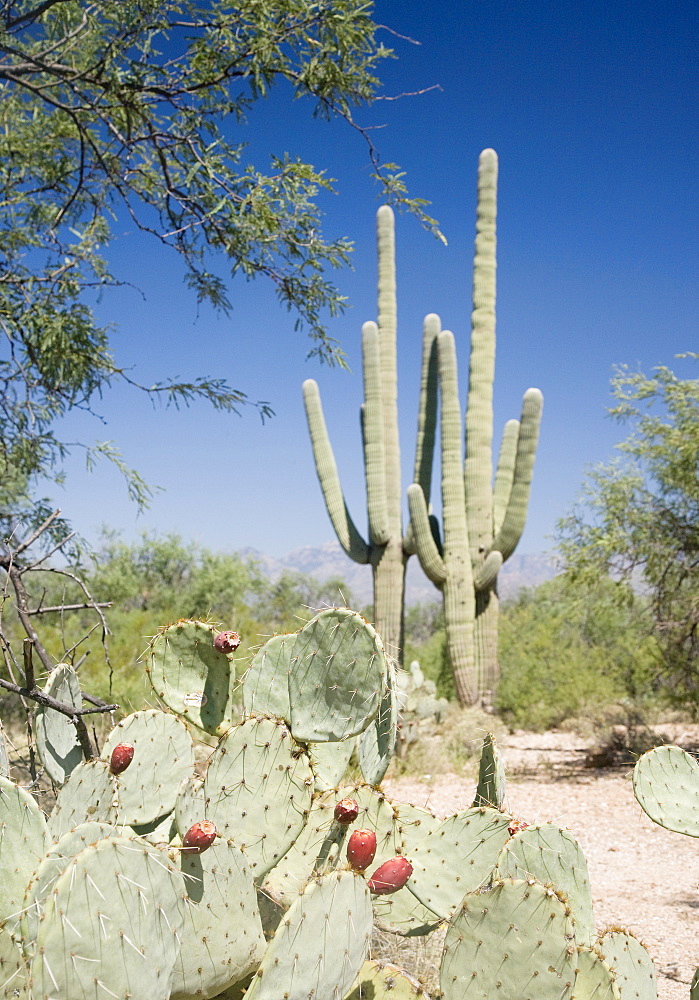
(644, 878)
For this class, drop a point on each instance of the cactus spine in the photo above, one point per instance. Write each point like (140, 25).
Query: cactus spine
(495, 514)
(387, 550)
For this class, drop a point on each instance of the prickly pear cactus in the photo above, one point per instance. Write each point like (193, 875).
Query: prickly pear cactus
(266, 682)
(258, 790)
(491, 775)
(377, 743)
(14, 970)
(23, 841)
(594, 979)
(89, 795)
(632, 965)
(553, 857)
(321, 942)
(221, 938)
(456, 858)
(192, 677)
(56, 739)
(163, 757)
(666, 785)
(337, 678)
(513, 939)
(111, 925)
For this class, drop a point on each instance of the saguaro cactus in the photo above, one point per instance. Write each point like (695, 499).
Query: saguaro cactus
(387, 549)
(495, 513)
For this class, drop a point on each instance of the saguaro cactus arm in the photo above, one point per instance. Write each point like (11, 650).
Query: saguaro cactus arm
(425, 545)
(426, 427)
(478, 466)
(505, 472)
(527, 441)
(347, 534)
(373, 437)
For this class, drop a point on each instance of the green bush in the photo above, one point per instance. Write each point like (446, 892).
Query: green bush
(568, 650)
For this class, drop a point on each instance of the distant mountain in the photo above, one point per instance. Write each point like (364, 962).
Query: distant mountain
(327, 561)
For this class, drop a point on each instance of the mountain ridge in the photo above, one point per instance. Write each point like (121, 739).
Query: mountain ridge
(328, 561)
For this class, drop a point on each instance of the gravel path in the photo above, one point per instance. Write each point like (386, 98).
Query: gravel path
(643, 877)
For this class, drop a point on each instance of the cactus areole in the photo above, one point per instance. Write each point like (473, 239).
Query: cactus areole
(199, 837)
(227, 642)
(361, 849)
(122, 755)
(390, 876)
(346, 811)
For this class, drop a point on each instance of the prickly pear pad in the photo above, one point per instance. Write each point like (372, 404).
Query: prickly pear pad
(377, 743)
(457, 858)
(594, 980)
(514, 941)
(89, 795)
(23, 841)
(111, 925)
(552, 856)
(491, 775)
(338, 674)
(378, 981)
(56, 739)
(163, 757)
(666, 785)
(190, 676)
(632, 965)
(50, 869)
(222, 938)
(266, 682)
(14, 971)
(320, 944)
(258, 790)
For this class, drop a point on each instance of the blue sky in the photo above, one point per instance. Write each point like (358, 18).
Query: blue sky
(592, 108)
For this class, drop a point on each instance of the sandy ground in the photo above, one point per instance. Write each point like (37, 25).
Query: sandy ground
(644, 878)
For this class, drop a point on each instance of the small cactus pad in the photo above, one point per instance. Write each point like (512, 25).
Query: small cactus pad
(379, 981)
(402, 913)
(321, 942)
(377, 743)
(222, 940)
(594, 980)
(56, 739)
(552, 856)
(190, 676)
(514, 941)
(457, 858)
(631, 964)
(88, 796)
(189, 805)
(14, 971)
(491, 775)
(23, 842)
(258, 791)
(666, 785)
(111, 925)
(337, 678)
(163, 757)
(266, 682)
(694, 988)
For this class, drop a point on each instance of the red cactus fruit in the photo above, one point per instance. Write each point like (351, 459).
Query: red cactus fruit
(346, 811)
(361, 849)
(390, 876)
(516, 825)
(227, 642)
(122, 755)
(200, 836)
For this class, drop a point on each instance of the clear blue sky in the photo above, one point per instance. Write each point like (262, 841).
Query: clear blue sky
(592, 108)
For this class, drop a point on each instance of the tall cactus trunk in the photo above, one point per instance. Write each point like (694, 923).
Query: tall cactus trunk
(486, 644)
(388, 567)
